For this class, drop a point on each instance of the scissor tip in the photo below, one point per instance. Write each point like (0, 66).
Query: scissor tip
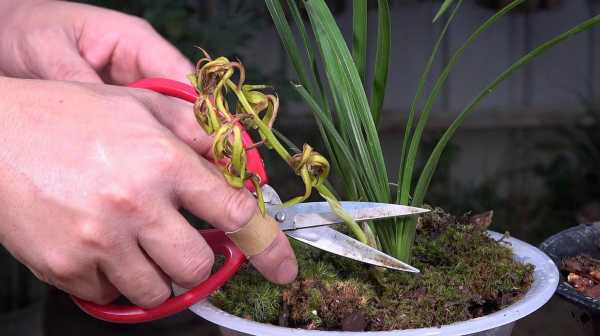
(410, 269)
(404, 210)
(404, 267)
(422, 211)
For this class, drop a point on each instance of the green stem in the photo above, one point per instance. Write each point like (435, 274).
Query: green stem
(337, 208)
(283, 153)
(270, 137)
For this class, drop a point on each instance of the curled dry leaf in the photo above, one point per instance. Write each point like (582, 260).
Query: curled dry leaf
(217, 81)
(483, 220)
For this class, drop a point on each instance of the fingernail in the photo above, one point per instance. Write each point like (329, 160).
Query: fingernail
(287, 270)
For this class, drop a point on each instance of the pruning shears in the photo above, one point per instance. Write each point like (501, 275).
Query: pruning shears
(307, 222)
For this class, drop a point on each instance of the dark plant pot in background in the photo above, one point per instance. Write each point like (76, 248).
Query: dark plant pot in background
(581, 239)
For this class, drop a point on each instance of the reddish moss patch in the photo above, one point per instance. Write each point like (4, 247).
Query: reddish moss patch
(464, 274)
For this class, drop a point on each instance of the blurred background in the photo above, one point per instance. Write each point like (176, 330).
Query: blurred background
(531, 152)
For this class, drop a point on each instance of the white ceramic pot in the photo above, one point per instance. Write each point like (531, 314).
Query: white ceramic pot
(500, 323)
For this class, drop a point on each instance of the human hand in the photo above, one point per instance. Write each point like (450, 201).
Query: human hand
(90, 184)
(76, 42)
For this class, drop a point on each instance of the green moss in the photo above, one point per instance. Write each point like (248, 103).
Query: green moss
(319, 270)
(464, 274)
(315, 299)
(261, 300)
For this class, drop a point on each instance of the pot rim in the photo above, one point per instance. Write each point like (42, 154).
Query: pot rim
(565, 290)
(546, 279)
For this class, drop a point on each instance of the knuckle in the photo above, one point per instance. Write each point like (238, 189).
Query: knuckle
(119, 197)
(103, 296)
(189, 132)
(240, 206)
(150, 288)
(153, 296)
(101, 299)
(93, 234)
(62, 268)
(196, 269)
(164, 155)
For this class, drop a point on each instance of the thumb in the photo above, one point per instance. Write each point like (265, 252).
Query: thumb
(67, 65)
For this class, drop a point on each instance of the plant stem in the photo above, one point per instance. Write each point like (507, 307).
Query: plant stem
(270, 137)
(337, 208)
(283, 153)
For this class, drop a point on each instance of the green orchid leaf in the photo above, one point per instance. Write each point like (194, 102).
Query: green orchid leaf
(445, 5)
(434, 158)
(356, 122)
(287, 38)
(415, 141)
(359, 37)
(332, 83)
(382, 59)
(402, 198)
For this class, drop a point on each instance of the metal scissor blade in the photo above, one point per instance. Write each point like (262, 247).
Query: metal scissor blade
(332, 241)
(311, 214)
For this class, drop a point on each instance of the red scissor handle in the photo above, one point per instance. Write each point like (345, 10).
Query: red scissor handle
(219, 243)
(216, 239)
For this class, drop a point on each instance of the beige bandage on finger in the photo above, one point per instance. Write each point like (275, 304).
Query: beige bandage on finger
(256, 235)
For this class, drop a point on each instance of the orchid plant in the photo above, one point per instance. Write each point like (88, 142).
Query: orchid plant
(332, 80)
(347, 111)
(215, 81)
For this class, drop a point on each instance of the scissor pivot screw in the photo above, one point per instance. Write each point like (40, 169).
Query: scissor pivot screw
(280, 216)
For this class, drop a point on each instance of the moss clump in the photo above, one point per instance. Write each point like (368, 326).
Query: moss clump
(260, 301)
(464, 274)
